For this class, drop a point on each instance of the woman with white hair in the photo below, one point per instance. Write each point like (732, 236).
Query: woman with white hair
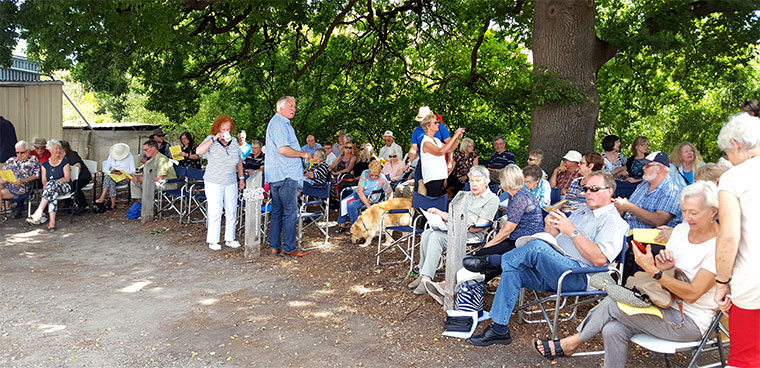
(483, 205)
(119, 159)
(523, 215)
(738, 253)
(56, 176)
(690, 249)
(26, 169)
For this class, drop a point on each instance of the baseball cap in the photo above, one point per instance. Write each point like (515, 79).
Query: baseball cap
(656, 156)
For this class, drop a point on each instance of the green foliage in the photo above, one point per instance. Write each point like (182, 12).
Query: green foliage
(680, 67)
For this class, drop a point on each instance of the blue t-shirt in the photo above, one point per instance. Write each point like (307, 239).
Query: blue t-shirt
(55, 172)
(419, 133)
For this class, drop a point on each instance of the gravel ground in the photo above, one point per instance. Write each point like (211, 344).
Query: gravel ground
(108, 292)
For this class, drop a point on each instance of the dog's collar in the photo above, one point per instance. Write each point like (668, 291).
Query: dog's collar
(365, 226)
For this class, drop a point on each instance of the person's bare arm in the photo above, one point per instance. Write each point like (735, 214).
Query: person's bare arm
(654, 219)
(587, 248)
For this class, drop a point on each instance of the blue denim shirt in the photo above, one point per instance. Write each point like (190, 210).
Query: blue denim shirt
(278, 167)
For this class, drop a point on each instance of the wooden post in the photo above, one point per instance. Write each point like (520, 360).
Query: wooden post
(148, 190)
(457, 243)
(253, 194)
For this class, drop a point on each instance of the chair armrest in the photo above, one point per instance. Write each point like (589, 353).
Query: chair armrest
(484, 225)
(590, 269)
(397, 210)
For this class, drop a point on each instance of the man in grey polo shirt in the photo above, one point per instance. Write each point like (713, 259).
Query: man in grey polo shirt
(283, 170)
(591, 236)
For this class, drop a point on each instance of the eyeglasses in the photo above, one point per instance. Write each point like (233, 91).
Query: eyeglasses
(391, 155)
(349, 147)
(594, 189)
(19, 153)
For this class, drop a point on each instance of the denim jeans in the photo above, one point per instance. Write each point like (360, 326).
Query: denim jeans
(353, 210)
(536, 266)
(284, 215)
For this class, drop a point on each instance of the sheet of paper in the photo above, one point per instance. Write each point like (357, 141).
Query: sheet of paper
(646, 236)
(435, 221)
(629, 310)
(8, 176)
(176, 150)
(120, 176)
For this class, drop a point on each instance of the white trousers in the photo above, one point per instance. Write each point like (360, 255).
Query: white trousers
(220, 197)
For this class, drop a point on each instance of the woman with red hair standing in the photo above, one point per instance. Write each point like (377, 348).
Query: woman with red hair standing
(223, 178)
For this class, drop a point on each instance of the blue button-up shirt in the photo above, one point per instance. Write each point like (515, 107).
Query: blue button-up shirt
(278, 167)
(664, 198)
(603, 226)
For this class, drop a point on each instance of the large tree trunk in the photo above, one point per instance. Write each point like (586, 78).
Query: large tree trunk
(565, 44)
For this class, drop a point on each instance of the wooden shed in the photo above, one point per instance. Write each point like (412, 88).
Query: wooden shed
(34, 107)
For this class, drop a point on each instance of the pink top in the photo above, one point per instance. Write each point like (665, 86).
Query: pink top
(393, 170)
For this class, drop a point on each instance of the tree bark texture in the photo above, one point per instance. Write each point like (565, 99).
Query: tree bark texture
(565, 44)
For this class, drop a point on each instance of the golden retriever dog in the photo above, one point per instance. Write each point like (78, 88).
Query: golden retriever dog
(367, 226)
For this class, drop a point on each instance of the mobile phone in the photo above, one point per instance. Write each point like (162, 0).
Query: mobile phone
(641, 247)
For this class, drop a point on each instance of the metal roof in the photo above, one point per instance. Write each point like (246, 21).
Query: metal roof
(21, 70)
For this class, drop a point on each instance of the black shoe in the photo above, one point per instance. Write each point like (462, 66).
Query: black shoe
(490, 337)
(478, 264)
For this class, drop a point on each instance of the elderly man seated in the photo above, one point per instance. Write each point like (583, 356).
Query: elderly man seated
(483, 205)
(591, 236)
(655, 201)
(26, 169)
(164, 169)
(390, 147)
(500, 158)
(567, 171)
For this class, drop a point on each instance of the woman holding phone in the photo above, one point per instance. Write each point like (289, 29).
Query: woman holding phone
(222, 179)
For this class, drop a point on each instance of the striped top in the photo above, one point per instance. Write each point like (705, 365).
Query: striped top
(222, 162)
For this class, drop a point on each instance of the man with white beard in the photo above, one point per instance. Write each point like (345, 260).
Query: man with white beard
(655, 201)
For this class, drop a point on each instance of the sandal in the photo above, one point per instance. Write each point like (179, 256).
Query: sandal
(558, 353)
(342, 229)
(51, 229)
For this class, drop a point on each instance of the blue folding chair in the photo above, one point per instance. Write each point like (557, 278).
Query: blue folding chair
(172, 199)
(556, 195)
(419, 202)
(195, 194)
(314, 196)
(559, 297)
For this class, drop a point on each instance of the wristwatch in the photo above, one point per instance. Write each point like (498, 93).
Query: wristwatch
(657, 276)
(574, 234)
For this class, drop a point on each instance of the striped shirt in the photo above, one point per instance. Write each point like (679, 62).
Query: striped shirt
(278, 167)
(222, 163)
(321, 172)
(369, 185)
(664, 198)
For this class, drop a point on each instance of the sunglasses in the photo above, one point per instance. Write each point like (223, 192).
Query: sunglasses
(19, 153)
(391, 155)
(594, 189)
(350, 147)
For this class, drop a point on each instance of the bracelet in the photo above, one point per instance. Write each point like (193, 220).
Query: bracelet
(723, 282)
(241, 177)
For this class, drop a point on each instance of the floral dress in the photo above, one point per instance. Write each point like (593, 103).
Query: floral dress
(463, 162)
(22, 169)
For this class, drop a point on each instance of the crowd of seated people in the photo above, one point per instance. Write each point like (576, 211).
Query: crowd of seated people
(677, 193)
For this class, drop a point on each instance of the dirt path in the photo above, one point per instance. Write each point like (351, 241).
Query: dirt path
(104, 292)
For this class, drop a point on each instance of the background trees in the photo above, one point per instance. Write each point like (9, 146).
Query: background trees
(669, 69)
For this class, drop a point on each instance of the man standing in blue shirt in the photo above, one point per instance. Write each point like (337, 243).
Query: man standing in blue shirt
(417, 135)
(283, 170)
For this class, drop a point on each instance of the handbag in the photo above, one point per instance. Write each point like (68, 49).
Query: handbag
(470, 296)
(646, 287)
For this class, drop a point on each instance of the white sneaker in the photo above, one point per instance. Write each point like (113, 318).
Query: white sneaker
(214, 246)
(233, 244)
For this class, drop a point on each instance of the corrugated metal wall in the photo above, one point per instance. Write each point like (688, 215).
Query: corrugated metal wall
(35, 109)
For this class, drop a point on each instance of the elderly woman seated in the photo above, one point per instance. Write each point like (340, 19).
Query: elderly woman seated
(691, 249)
(56, 176)
(370, 180)
(483, 205)
(26, 169)
(523, 216)
(119, 159)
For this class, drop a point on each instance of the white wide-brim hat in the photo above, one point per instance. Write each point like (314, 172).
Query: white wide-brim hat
(423, 111)
(119, 151)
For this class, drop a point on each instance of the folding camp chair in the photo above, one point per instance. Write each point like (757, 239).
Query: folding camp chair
(92, 166)
(172, 199)
(711, 340)
(419, 202)
(559, 297)
(315, 206)
(194, 194)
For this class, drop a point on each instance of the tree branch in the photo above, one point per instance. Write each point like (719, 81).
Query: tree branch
(325, 39)
(699, 9)
(200, 4)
